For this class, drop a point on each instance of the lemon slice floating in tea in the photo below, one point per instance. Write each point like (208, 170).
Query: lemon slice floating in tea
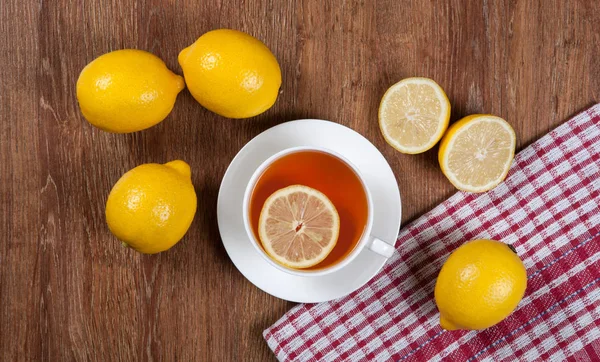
(413, 115)
(477, 151)
(298, 226)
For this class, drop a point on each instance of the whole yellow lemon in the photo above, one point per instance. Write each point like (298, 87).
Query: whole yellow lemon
(480, 284)
(152, 206)
(127, 90)
(231, 73)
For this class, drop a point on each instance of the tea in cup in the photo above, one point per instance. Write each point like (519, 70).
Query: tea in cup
(330, 175)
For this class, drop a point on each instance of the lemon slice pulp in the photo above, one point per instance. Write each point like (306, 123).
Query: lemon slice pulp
(414, 114)
(298, 226)
(477, 151)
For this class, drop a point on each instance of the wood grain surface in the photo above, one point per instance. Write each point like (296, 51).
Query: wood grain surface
(69, 291)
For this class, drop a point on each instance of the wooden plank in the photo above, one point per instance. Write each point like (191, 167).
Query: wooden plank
(26, 229)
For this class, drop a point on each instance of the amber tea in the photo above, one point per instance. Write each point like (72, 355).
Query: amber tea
(331, 176)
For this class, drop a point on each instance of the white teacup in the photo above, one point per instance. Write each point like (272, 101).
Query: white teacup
(366, 240)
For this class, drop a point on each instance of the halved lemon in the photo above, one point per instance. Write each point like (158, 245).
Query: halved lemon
(477, 151)
(298, 226)
(414, 114)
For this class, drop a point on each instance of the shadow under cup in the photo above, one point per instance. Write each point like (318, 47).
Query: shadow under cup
(322, 170)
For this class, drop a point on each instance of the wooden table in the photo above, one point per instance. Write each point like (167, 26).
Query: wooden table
(69, 291)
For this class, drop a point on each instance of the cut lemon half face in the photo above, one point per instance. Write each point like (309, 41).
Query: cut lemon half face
(298, 226)
(414, 114)
(477, 151)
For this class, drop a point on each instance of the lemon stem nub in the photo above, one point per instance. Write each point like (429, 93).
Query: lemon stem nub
(181, 167)
(445, 324)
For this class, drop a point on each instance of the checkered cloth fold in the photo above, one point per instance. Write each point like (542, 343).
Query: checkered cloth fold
(548, 208)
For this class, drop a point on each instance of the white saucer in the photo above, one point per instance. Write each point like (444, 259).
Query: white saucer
(317, 133)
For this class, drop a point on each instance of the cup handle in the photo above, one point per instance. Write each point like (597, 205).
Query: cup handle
(381, 247)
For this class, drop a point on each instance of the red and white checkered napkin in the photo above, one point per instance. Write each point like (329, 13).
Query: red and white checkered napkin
(548, 208)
